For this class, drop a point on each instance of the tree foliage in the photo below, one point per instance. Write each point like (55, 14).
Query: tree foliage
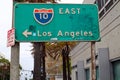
(55, 49)
(4, 61)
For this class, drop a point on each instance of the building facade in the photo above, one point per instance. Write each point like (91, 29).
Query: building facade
(107, 50)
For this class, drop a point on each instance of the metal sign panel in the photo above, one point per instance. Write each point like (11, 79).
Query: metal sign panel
(59, 22)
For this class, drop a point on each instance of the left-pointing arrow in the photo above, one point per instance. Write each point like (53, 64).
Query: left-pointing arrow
(26, 33)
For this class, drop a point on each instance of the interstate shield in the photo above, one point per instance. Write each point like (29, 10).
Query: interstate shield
(43, 16)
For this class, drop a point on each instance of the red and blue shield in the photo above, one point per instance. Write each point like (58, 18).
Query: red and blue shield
(43, 16)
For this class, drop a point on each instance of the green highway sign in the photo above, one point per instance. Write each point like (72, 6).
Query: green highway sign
(56, 22)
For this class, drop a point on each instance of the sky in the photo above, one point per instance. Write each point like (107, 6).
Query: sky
(26, 59)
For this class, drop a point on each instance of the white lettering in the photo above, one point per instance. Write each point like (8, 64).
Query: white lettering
(73, 11)
(43, 16)
(85, 33)
(67, 11)
(90, 33)
(60, 33)
(72, 34)
(77, 33)
(44, 33)
(49, 34)
(40, 34)
(60, 10)
(78, 10)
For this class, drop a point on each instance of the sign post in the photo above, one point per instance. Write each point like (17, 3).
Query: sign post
(93, 61)
(14, 64)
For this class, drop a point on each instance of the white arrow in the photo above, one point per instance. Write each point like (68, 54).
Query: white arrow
(26, 33)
